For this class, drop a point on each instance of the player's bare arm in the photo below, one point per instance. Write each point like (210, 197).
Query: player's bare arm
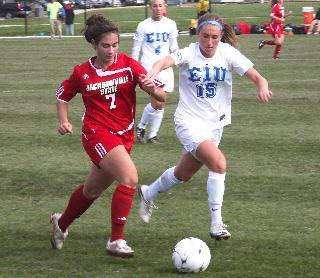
(160, 65)
(288, 14)
(264, 94)
(277, 18)
(64, 126)
(149, 86)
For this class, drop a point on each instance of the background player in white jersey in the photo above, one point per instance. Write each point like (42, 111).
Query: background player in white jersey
(155, 38)
(205, 88)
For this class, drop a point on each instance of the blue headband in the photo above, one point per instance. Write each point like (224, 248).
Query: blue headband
(212, 22)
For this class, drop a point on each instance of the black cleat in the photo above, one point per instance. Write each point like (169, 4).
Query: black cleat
(140, 132)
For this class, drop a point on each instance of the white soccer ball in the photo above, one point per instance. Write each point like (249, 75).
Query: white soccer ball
(191, 255)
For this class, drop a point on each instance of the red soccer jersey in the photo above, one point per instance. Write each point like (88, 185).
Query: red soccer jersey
(108, 94)
(278, 11)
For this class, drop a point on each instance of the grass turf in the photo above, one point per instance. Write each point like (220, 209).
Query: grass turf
(272, 197)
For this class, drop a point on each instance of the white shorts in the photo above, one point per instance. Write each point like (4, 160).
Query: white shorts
(192, 134)
(167, 77)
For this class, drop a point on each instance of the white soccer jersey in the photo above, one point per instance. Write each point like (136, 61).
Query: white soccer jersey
(206, 85)
(157, 37)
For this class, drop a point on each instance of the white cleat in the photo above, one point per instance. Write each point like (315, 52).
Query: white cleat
(146, 207)
(119, 248)
(57, 236)
(219, 232)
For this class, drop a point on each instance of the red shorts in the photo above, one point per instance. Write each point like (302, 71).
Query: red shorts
(277, 30)
(98, 143)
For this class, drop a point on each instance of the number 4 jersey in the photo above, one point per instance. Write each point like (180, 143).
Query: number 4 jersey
(206, 84)
(157, 37)
(108, 94)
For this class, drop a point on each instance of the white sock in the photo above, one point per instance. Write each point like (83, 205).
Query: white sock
(166, 181)
(155, 123)
(215, 189)
(148, 111)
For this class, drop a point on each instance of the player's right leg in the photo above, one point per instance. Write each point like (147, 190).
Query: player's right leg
(80, 200)
(146, 206)
(57, 236)
(149, 193)
(146, 116)
(51, 22)
(173, 176)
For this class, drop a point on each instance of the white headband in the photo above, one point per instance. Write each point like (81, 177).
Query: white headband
(212, 22)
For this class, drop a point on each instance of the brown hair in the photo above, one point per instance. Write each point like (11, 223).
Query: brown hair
(228, 35)
(96, 26)
(273, 2)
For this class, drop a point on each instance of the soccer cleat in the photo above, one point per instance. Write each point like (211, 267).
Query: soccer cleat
(219, 232)
(119, 248)
(140, 132)
(57, 236)
(261, 44)
(146, 207)
(154, 140)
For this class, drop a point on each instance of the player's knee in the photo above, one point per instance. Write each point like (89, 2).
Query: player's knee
(220, 166)
(130, 180)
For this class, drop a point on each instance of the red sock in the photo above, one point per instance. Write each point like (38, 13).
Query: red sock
(277, 51)
(120, 208)
(269, 42)
(77, 205)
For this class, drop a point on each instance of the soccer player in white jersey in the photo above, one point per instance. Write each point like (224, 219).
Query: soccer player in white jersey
(155, 38)
(205, 88)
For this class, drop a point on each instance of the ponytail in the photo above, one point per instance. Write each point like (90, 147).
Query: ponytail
(228, 34)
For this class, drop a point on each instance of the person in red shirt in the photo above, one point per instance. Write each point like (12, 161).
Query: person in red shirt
(277, 19)
(107, 85)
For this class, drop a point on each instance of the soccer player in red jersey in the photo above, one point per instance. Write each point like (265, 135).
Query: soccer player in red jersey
(277, 19)
(107, 84)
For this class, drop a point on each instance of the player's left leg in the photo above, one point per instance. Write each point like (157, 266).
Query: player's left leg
(167, 77)
(119, 165)
(278, 42)
(215, 189)
(209, 153)
(155, 121)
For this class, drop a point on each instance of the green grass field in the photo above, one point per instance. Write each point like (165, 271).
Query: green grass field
(272, 198)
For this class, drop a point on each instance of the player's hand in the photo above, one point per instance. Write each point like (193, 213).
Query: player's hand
(289, 13)
(147, 83)
(152, 74)
(264, 96)
(65, 128)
